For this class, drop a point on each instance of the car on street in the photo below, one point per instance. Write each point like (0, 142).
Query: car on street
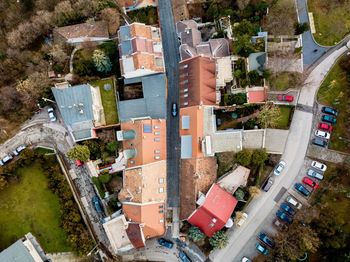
(246, 259)
(325, 127)
(284, 216)
(322, 134)
(184, 257)
(263, 237)
(287, 208)
(20, 148)
(1, 163)
(293, 202)
(7, 159)
(314, 174)
(329, 119)
(97, 204)
(165, 243)
(319, 142)
(52, 115)
(279, 168)
(329, 110)
(242, 220)
(174, 110)
(79, 163)
(285, 98)
(301, 189)
(279, 225)
(319, 166)
(267, 184)
(262, 249)
(310, 182)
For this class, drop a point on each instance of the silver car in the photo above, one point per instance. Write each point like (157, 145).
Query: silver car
(51, 114)
(279, 168)
(314, 174)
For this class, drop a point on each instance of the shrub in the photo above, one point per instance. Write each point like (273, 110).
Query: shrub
(219, 240)
(238, 99)
(195, 234)
(244, 157)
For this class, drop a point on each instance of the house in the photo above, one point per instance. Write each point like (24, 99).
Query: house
(192, 44)
(234, 179)
(214, 211)
(198, 82)
(144, 141)
(131, 5)
(196, 177)
(85, 32)
(152, 104)
(140, 50)
(26, 249)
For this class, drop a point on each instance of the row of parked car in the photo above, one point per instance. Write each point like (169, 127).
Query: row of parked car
(169, 244)
(11, 155)
(323, 133)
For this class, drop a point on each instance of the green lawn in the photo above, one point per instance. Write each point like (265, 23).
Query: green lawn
(332, 20)
(108, 100)
(333, 92)
(286, 116)
(284, 80)
(29, 206)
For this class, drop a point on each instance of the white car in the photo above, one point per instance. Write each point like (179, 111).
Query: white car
(322, 134)
(278, 169)
(319, 166)
(51, 114)
(293, 202)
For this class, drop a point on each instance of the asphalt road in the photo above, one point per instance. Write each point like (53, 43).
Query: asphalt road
(171, 58)
(262, 207)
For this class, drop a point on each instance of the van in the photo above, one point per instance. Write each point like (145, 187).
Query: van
(291, 200)
(267, 184)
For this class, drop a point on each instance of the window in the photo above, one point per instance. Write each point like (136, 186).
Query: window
(161, 180)
(161, 190)
(157, 133)
(157, 151)
(156, 139)
(161, 220)
(147, 128)
(156, 157)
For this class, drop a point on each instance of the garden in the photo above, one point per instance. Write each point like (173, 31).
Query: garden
(147, 15)
(285, 80)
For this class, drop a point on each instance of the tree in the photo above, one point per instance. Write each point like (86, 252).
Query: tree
(301, 28)
(79, 152)
(3, 182)
(112, 147)
(245, 27)
(219, 240)
(254, 191)
(238, 216)
(112, 17)
(244, 157)
(195, 234)
(242, 4)
(259, 157)
(101, 61)
(105, 178)
(269, 116)
(58, 54)
(243, 46)
(239, 194)
(63, 13)
(254, 77)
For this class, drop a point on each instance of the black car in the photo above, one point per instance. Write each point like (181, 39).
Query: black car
(319, 142)
(284, 217)
(329, 110)
(165, 243)
(268, 184)
(266, 239)
(174, 110)
(301, 189)
(184, 257)
(287, 208)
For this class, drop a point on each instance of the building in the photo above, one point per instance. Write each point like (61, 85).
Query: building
(144, 141)
(140, 50)
(234, 179)
(131, 5)
(257, 94)
(85, 32)
(214, 211)
(26, 249)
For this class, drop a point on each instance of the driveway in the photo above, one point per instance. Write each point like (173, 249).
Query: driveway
(297, 143)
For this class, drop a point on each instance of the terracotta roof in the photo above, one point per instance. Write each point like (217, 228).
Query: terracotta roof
(150, 216)
(135, 234)
(257, 96)
(197, 81)
(197, 175)
(215, 211)
(149, 142)
(145, 183)
(85, 30)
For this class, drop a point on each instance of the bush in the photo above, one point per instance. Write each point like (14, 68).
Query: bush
(219, 240)
(195, 234)
(238, 99)
(259, 157)
(301, 28)
(112, 147)
(244, 157)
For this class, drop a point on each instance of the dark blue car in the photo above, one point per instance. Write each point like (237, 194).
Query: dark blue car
(183, 256)
(285, 207)
(165, 243)
(266, 239)
(97, 204)
(284, 217)
(301, 189)
(329, 110)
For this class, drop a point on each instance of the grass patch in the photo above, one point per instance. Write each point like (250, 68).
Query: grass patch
(30, 206)
(43, 150)
(285, 80)
(225, 162)
(108, 100)
(332, 20)
(334, 92)
(286, 116)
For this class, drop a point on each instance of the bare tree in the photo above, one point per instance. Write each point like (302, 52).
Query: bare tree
(112, 17)
(58, 54)
(242, 4)
(269, 115)
(254, 191)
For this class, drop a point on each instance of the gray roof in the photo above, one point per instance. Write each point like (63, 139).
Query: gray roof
(153, 103)
(124, 33)
(125, 48)
(257, 61)
(186, 146)
(17, 252)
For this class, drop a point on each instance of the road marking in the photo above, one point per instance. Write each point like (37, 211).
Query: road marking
(305, 108)
(280, 194)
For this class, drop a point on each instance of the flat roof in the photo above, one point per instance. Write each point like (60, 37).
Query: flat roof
(186, 146)
(16, 252)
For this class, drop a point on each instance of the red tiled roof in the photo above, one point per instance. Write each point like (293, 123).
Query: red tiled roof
(135, 235)
(215, 211)
(257, 96)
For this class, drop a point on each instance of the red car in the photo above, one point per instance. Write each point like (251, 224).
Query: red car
(285, 98)
(79, 163)
(310, 182)
(325, 127)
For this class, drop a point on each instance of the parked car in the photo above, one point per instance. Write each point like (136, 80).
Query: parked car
(293, 202)
(301, 189)
(19, 149)
(329, 110)
(284, 216)
(97, 204)
(174, 109)
(246, 259)
(268, 184)
(262, 249)
(184, 257)
(285, 98)
(279, 168)
(79, 163)
(319, 166)
(7, 159)
(314, 174)
(329, 119)
(322, 134)
(165, 243)
(51, 114)
(14, 153)
(266, 239)
(310, 182)
(279, 225)
(287, 208)
(319, 142)
(325, 127)
(242, 220)
(1, 163)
